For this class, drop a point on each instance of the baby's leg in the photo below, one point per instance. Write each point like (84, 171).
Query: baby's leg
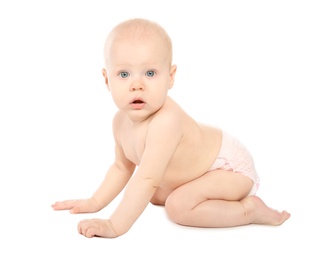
(219, 199)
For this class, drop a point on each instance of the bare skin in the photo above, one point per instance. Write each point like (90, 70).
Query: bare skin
(162, 155)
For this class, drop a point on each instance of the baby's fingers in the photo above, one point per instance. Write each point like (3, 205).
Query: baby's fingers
(96, 227)
(87, 228)
(64, 205)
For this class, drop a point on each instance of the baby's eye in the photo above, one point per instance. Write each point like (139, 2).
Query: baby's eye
(150, 73)
(123, 74)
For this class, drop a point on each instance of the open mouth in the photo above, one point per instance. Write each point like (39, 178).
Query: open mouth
(137, 103)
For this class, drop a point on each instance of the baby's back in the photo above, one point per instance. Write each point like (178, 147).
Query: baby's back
(196, 152)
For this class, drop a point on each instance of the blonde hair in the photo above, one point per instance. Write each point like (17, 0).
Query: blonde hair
(137, 29)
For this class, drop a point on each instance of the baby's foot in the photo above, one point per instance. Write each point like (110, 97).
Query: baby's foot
(259, 213)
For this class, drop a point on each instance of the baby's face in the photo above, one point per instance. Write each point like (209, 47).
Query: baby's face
(139, 75)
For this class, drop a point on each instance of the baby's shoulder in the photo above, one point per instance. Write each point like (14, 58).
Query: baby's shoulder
(118, 121)
(169, 114)
(118, 117)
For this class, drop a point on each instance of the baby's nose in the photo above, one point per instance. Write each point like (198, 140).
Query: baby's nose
(137, 86)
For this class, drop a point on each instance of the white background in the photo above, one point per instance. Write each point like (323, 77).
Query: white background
(257, 69)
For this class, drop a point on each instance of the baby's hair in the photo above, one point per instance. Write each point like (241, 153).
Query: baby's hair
(137, 29)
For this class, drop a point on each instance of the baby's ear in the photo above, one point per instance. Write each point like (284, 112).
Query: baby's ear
(172, 75)
(104, 74)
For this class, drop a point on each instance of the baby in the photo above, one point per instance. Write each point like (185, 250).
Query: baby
(203, 176)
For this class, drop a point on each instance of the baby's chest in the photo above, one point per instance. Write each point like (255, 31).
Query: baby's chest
(133, 147)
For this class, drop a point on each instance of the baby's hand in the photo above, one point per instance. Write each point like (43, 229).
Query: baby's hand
(96, 227)
(77, 206)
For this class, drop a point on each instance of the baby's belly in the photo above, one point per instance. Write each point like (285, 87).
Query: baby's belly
(174, 179)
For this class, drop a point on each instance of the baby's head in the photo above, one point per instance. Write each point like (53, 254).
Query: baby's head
(138, 57)
(138, 31)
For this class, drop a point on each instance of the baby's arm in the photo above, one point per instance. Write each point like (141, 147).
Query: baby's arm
(110, 187)
(163, 137)
(116, 178)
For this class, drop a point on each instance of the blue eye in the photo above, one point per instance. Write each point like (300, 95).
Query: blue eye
(123, 74)
(150, 73)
